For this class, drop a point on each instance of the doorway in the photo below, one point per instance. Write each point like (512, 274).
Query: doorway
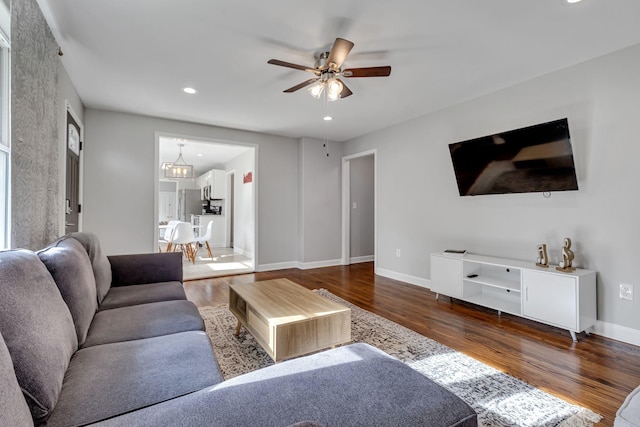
(73, 204)
(225, 209)
(359, 208)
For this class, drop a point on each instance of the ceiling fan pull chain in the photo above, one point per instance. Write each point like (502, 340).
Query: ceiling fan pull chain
(326, 125)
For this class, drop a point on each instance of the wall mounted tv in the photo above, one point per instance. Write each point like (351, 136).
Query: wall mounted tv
(537, 158)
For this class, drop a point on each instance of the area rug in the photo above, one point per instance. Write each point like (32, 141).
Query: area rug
(498, 399)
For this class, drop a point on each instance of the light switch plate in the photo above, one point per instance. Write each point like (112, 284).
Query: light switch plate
(626, 291)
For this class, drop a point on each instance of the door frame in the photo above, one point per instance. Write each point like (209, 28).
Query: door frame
(230, 176)
(68, 108)
(346, 205)
(256, 180)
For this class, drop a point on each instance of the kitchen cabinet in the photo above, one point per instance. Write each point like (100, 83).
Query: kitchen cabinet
(213, 183)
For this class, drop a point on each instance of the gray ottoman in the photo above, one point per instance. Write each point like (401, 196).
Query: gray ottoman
(629, 413)
(355, 385)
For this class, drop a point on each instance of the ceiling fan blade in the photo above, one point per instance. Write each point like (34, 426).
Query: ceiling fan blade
(300, 86)
(339, 52)
(294, 66)
(367, 72)
(345, 90)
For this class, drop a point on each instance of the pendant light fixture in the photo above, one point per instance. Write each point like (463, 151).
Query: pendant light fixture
(178, 169)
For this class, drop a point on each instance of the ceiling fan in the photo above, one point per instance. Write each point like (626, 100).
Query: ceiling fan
(328, 72)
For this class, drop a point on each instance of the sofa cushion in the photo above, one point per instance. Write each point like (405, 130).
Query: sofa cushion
(138, 269)
(37, 327)
(355, 385)
(628, 414)
(144, 321)
(13, 408)
(99, 262)
(112, 379)
(125, 296)
(69, 264)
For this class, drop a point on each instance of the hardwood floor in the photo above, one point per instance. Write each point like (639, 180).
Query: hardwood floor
(595, 372)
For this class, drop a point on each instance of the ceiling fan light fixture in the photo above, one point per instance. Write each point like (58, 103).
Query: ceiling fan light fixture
(333, 96)
(316, 89)
(334, 89)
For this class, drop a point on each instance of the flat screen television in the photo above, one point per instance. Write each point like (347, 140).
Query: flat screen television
(537, 158)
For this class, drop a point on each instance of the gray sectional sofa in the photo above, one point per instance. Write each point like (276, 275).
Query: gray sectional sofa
(87, 339)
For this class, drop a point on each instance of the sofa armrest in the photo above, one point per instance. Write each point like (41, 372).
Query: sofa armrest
(140, 269)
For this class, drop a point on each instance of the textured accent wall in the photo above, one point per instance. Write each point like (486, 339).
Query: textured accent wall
(34, 164)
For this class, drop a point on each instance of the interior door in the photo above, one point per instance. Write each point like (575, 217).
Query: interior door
(72, 196)
(167, 206)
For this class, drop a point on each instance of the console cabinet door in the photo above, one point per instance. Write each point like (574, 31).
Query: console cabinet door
(550, 298)
(446, 276)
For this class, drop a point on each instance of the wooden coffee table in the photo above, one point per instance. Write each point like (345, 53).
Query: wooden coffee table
(287, 319)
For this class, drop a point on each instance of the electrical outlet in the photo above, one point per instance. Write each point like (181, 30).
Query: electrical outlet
(398, 253)
(626, 291)
(355, 205)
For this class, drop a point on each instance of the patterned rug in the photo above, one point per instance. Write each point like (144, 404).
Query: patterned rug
(498, 399)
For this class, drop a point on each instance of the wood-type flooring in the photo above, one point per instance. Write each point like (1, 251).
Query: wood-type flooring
(595, 372)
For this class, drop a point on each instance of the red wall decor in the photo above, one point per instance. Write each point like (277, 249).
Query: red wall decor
(247, 178)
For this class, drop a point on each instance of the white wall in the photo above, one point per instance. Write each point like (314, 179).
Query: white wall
(423, 212)
(119, 182)
(361, 192)
(320, 204)
(243, 220)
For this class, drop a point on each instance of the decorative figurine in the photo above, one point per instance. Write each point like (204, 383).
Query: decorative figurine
(543, 258)
(567, 257)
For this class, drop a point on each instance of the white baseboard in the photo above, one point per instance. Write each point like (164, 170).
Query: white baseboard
(300, 265)
(359, 259)
(418, 281)
(243, 252)
(319, 264)
(617, 332)
(277, 266)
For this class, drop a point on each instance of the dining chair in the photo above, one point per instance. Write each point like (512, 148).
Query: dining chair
(183, 238)
(166, 237)
(204, 240)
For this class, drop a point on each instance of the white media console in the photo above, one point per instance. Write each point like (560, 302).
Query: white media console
(565, 300)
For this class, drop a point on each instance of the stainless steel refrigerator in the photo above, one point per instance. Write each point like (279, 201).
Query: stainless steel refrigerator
(189, 203)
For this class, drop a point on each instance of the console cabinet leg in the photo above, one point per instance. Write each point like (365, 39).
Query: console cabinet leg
(573, 336)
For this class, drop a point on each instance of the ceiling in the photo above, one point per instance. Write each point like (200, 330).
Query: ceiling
(203, 155)
(136, 56)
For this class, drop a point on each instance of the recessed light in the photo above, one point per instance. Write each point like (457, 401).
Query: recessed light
(327, 118)
(573, 1)
(199, 154)
(189, 90)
